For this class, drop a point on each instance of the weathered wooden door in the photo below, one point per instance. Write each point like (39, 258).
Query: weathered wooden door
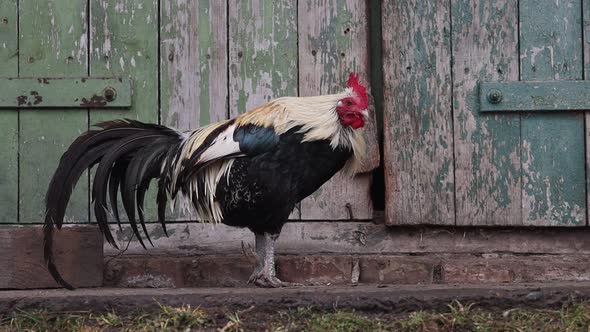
(222, 58)
(449, 163)
(60, 39)
(190, 63)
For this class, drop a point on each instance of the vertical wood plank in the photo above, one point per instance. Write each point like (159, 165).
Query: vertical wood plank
(193, 56)
(262, 54)
(487, 146)
(586, 49)
(418, 141)
(333, 37)
(194, 63)
(553, 188)
(53, 42)
(9, 118)
(124, 42)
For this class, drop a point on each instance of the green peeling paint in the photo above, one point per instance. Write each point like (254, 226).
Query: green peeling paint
(263, 52)
(8, 118)
(418, 114)
(52, 43)
(125, 39)
(487, 146)
(552, 144)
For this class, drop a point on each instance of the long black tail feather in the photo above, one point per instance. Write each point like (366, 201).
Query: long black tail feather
(117, 174)
(129, 155)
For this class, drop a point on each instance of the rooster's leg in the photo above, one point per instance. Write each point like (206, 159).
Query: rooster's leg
(265, 273)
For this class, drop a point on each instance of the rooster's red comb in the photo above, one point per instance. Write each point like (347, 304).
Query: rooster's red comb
(359, 90)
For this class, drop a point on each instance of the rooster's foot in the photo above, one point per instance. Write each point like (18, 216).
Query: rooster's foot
(266, 281)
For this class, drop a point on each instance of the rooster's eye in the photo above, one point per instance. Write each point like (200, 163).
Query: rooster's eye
(349, 103)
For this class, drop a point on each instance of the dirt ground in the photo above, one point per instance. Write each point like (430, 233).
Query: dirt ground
(498, 307)
(385, 298)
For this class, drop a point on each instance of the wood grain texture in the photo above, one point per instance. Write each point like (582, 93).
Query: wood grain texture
(487, 146)
(418, 137)
(553, 165)
(586, 49)
(333, 39)
(262, 54)
(124, 39)
(194, 63)
(53, 42)
(9, 118)
(536, 96)
(78, 252)
(193, 56)
(43, 94)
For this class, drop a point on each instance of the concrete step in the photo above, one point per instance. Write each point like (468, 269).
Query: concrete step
(398, 298)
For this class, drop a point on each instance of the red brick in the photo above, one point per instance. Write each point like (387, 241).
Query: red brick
(396, 269)
(315, 269)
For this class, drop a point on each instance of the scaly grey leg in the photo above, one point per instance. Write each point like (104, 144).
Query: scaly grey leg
(265, 273)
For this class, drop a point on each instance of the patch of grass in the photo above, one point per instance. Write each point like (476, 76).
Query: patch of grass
(234, 322)
(40, 320)
(305, 319)
(166, 318)
(572, 317)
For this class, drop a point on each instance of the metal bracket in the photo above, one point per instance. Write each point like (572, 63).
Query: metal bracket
(534, 96)
(65, 93)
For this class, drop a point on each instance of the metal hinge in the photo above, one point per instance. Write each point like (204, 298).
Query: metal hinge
(65, 93)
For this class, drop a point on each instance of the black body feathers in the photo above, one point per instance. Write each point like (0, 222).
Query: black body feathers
(263, 189)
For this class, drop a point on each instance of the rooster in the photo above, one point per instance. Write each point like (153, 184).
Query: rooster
(249, 171)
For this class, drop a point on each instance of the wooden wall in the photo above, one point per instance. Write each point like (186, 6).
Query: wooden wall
(191, 62)
(446, 163)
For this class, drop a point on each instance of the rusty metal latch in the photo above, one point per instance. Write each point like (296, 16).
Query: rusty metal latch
(65, 93)
(534, 96)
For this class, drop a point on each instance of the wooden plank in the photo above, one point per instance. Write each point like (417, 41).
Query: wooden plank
(534, 96)
(194, 63)
(487, 157)
(262, 54)
(332, 43)
(586, 49)
(78, 254)
(299, 238)
(553, 187)
(53, 42)
(418, 137)
(9, 118)
(124, 42)
(193, 55)
(65, 92)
